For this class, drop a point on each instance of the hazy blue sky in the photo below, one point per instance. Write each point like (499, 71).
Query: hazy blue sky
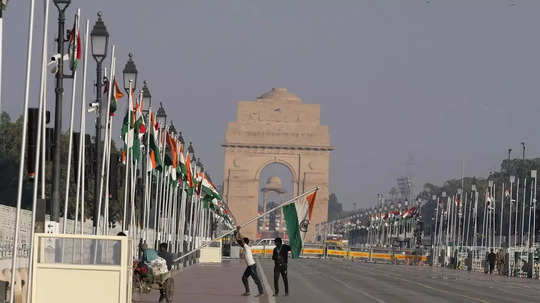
(443, 80)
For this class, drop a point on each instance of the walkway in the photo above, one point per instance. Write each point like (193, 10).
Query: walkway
(209, 283)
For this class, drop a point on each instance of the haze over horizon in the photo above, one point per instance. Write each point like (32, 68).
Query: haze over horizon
(442, 81)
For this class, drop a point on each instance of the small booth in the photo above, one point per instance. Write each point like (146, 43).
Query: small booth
(81, 268)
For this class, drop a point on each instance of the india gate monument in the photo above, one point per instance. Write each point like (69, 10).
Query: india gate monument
(276, 128)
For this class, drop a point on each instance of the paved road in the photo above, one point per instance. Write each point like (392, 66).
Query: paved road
(325, 281)
(344, 281)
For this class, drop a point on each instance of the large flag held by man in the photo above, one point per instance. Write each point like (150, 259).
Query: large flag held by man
(297, 218)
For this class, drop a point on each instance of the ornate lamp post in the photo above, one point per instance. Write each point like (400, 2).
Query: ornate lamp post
(130, 74)
(99, 38)
(161, 116)
(61, 5)
(147, 97)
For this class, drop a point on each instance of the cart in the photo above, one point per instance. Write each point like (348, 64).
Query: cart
(144, 281)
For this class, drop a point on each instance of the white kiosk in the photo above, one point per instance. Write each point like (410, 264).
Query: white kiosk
(81, 268)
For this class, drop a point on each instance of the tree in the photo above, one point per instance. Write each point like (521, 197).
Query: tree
(10, 145)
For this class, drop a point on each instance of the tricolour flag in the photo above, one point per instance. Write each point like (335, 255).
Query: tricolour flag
(115, 96)
(75, 46)
(188, 171)
(297, 218)
(155, 158)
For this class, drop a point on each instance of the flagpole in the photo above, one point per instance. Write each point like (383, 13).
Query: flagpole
(181, 225)
(149, 202)
(107, 176)
(533, 175)
(1, 47)
(37, 157)
(510, 212)
(146, 172)
(43, 99)
(516, 216)
(530, 209)
(70, 144)
(291, 201)
(23, 148)
(127, 141)
(523, 209)
(106, 139)
(156, 206)
(172, 226)
(465, 229)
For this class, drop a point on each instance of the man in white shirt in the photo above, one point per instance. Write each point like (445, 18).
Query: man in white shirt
(251, 269)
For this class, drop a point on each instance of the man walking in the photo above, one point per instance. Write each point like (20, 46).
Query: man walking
(280, 255)
(251, 269)
(492, 257)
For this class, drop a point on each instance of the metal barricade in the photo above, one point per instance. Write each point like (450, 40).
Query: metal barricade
(312, 251)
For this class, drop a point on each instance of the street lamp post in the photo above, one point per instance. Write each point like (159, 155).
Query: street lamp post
(130, 74)
(61, 5)
(100, 42)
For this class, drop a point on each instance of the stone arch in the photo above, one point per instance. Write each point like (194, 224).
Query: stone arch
(276, 128)
(285, 163)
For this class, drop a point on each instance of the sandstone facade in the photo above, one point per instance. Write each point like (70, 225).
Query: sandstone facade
(276, 128)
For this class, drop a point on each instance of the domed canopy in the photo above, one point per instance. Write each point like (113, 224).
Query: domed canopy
(279, 94)
(274, 184)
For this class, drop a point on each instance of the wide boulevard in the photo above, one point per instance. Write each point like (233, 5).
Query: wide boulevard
(315, 280)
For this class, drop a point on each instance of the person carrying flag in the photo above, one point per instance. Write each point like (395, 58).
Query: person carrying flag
(251, 269)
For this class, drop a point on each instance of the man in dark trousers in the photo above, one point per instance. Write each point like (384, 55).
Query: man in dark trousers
(280, 255)
(251, 269)
(166, 288)
(492, 257)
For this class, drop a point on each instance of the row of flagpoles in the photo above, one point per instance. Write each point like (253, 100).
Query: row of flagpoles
(180, 205)
(507, 218)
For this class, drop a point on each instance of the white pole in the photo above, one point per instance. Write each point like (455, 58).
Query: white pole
(127, 139)
(23, 148)
(530, 209)
(132, 228)
(516, 216)
(70, 145)
(106, 139)
(510, 210)
(181, 224)
(533, 175)
(156, 206)
(523, 209)
(468, 224)
(38, 147)
(148, 168)
(1, 48)
(501, 220)
(107, 177)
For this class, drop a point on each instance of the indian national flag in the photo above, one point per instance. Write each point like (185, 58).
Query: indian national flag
(182, 160)
(297, 217)
(75, 46)
(115, 96)
(155, 159)
(406, 214)
(188, 172)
